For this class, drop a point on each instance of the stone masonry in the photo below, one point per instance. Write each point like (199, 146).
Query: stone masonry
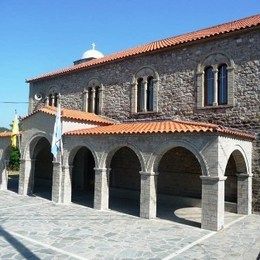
(177, 87)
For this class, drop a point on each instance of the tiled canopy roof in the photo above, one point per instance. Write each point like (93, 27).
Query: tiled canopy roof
(5, 134)
(157, 127)
(248, 22)
(74, 115)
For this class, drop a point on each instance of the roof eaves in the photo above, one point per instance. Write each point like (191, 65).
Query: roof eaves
(151, 47)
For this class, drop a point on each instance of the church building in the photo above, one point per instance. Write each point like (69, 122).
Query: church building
(172, 121)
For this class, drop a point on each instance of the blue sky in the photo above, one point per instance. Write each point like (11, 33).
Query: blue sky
(42, 35)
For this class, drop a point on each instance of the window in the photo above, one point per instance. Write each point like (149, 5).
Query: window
(215, 81)
(92, 97)
(222, 85)
(149, 95)
(144, 92)
(52, 99)
(208, 86)
(139, 94)
(97, 100)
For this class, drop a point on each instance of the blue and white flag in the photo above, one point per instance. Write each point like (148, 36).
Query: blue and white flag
(57, 145)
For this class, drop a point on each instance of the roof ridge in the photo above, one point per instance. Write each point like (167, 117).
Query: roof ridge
(52, 110)
(159, 44)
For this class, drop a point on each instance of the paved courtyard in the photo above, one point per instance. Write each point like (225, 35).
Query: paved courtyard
(35, 228)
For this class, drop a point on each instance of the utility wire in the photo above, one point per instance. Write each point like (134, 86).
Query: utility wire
(11, 102)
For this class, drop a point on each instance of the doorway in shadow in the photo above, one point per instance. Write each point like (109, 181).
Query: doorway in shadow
(179, 187)
(42, 177)
(124, 183)
(83, 178)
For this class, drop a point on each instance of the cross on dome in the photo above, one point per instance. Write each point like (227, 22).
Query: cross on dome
(93, 46)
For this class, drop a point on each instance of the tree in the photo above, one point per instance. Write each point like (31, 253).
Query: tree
(3, 129)
(14, 163)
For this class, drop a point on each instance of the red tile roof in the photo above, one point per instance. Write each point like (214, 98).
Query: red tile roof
(237, 25)
(75, 115)
(157, 127)
(5, 134)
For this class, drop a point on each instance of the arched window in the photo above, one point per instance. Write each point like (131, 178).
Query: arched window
(208, 86)
(139, 94)
(97, 88)
(93, 97)
(215, 81)
(149, 95)
(222, 85)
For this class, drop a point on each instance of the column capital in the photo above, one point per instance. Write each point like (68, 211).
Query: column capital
(102, 170)
(212, 179)
(244, 175)
(148, 173)
(26, 160)
(67, 167)
(55, 163)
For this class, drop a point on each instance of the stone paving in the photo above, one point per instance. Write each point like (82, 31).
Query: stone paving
(35, 228)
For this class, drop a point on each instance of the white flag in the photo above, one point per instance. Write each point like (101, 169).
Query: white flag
(57, 145)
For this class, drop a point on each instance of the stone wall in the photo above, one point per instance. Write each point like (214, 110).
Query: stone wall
(177, 92)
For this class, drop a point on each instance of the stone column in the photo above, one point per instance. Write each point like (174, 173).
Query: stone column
(52, 100)
(134, 98)
(144, 89)
(148, 195)
(215, 99)
(155, 95)
(67, 184)
(3, 175)
(26, 177)
(244, 194)
(200, 88)
(101, 194)
(85, 101)
(101, 97)
(56, 182)
(213, 202)
(47, 101)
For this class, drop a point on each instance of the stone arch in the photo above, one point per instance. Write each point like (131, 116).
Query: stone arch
(93, 82)
(215, 58)
(236, 173)
(82, 161)
(145, 72)
(27, 152)
(73, 151)
(124, 179)
(107, 157)
(240, 157)
(162, 149)
(41, 174)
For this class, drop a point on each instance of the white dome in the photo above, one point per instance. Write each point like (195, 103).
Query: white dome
(92, 54)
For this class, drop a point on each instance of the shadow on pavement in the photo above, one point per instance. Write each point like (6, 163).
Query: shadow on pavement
(22, 249)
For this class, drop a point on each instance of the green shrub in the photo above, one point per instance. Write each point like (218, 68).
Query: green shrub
(14, 161)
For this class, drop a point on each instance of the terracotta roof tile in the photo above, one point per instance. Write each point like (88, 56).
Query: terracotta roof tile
(5, 134)
(248, 22)
(75, 115)
(159, 127)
